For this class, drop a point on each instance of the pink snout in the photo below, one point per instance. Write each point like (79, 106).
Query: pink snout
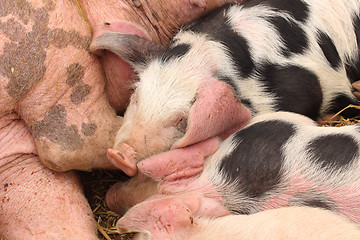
(123, 157)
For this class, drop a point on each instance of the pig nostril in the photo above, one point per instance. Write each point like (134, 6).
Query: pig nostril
(119, 153)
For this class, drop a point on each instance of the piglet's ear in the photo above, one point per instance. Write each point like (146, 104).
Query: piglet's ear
(217, 111)
(131, 48)
(160, 216)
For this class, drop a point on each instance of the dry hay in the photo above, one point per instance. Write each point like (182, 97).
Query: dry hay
(341, 121)
(96, 184)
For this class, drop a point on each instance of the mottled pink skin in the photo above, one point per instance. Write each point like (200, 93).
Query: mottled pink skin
(341, 195)
(175, 169)
(33, 194)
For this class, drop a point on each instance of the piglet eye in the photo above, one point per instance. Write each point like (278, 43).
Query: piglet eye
(181, 125)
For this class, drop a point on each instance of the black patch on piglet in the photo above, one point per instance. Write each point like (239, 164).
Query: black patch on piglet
(333, 151)
(353, 70)
(296, 89)
(175, 52)
(293, 36)
(216, 26)
(297, 8)
(313, 198)
(256, 160)
(329, 50)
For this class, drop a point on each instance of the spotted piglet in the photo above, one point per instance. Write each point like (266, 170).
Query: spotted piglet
(241, 60)
(280, 159)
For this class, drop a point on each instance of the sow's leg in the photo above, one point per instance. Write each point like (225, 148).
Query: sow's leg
(37, 203)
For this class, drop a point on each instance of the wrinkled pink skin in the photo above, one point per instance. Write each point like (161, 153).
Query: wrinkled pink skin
(37, 203)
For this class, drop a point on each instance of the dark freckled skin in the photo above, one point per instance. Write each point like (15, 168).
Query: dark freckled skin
(79, 93)
(75, 75)
(23, 58)
(54, 128)
(88, 129)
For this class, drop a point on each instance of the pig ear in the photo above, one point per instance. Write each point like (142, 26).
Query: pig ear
(134, 49)
(217, 111)
(175, 213)
(179, 163)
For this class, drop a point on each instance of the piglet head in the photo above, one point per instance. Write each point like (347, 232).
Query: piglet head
(176, 103)
(163, 217)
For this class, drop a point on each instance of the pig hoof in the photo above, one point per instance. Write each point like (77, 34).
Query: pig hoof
(118, 160)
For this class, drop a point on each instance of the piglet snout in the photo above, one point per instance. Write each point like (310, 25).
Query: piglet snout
(123, 157)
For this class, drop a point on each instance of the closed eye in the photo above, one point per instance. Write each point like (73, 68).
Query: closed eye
(181, 125)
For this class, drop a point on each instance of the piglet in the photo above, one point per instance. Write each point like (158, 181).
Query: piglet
(241, 60)
(181, 217)
(280, 159)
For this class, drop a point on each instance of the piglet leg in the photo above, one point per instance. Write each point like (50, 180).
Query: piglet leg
(37, 203)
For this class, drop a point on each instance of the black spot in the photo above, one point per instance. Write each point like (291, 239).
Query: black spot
(293, 36)
(257, 158)
(296, 89)
(333, 151)
(175, 52)
(297, 8)
(313, 198)
(329, 49)
(353, 69)
(215, 25)
(341, 101)
(227, 80)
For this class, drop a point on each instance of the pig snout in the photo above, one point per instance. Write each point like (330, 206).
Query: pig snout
(123, 157)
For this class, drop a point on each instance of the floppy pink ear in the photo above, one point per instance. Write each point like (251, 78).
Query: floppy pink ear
(217, 111)
(179, 163)
(160, 215)
(169, 216)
